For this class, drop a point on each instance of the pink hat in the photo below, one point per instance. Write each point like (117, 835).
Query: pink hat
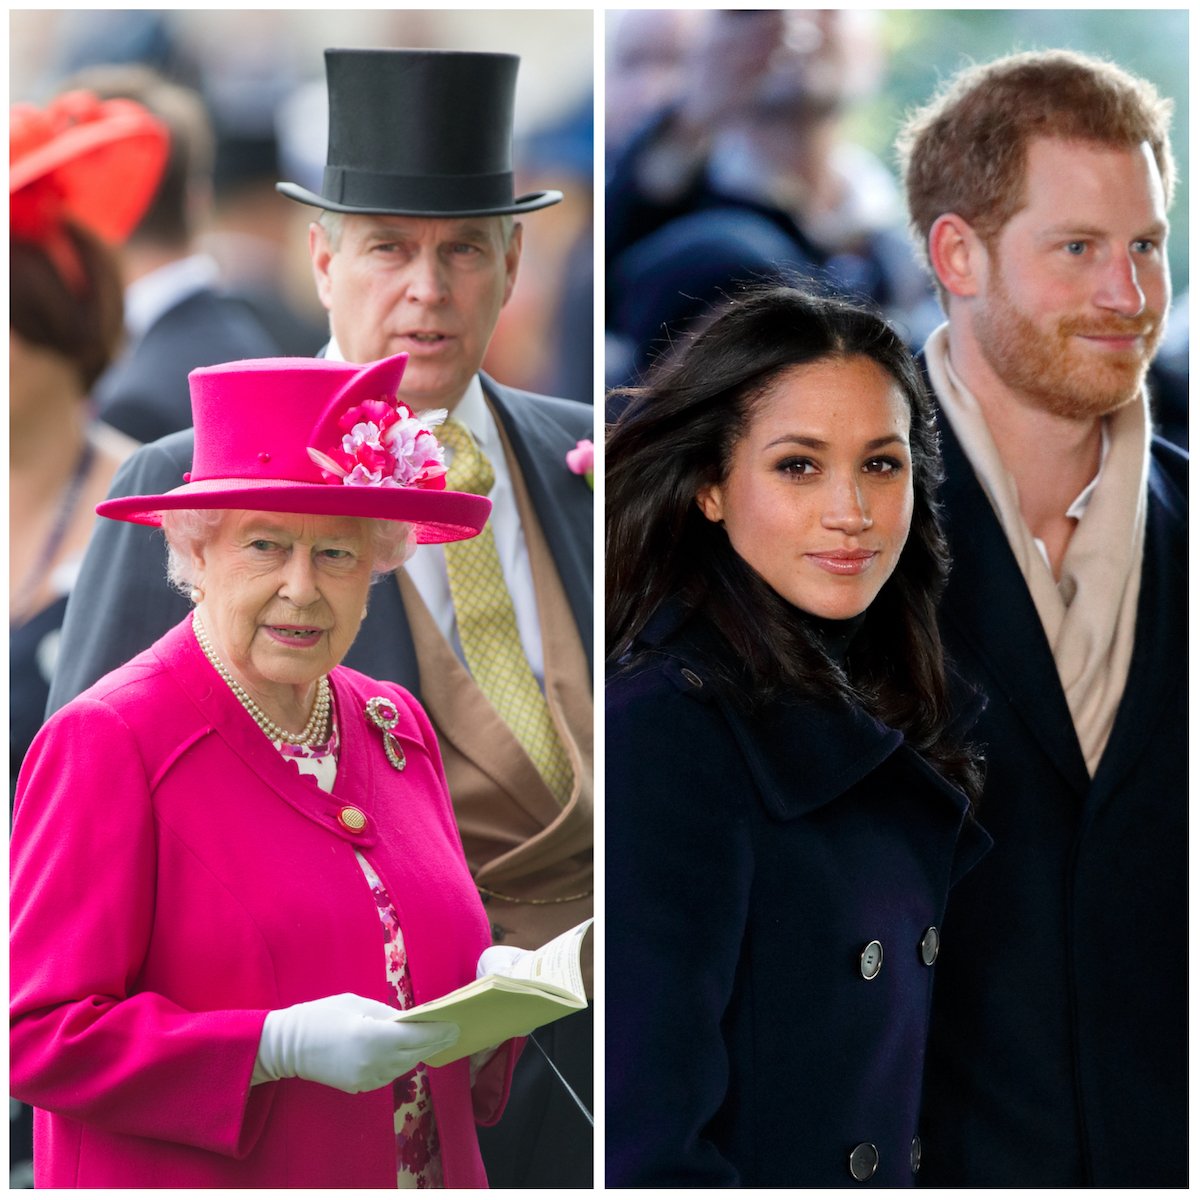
(306, 435)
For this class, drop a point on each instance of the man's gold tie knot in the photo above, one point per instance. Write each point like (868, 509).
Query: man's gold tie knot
(470, 470)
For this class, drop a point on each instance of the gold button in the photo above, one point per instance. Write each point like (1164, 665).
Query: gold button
(353, 819)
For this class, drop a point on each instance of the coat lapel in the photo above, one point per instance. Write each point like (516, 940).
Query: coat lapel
(221, 713)
(562, 500)
(853, 745)
(988, 613)
(794, 782)
(1158, 660)
(569, 696)
(465, 718)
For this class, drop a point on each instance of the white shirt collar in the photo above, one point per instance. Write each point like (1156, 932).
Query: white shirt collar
(1080, 503)
(160, 290)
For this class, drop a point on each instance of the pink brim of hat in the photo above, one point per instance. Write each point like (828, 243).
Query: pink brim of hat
(436, 516)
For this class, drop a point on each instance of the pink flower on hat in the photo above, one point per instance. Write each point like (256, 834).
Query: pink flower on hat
(383, 445)
(413, 444)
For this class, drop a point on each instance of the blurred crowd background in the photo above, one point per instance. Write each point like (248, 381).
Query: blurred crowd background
(742, 143)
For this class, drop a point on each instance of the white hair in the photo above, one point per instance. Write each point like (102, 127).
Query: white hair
(189, 530)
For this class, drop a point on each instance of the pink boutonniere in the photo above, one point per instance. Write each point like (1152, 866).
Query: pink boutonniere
(581, 461)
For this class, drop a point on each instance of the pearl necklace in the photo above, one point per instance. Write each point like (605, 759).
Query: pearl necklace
(312, 734)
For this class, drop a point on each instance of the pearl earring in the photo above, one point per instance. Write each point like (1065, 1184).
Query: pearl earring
(196, 594)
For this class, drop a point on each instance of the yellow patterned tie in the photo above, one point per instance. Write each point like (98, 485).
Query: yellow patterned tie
(487, 623)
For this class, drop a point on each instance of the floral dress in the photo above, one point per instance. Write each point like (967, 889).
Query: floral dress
(418, 1153)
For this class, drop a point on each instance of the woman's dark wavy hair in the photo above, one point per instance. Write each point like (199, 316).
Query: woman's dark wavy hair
(677, 434)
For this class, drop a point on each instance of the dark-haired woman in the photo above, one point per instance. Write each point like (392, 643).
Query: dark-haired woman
(788, 793)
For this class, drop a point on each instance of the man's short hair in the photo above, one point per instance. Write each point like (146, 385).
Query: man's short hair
(965, 151)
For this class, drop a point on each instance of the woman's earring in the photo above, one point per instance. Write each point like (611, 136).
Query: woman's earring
(197, 594)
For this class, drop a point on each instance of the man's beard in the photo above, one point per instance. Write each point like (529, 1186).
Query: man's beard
(1054, 369)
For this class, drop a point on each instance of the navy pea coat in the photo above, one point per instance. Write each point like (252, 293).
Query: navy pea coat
(750, 864)
(1058, 1051)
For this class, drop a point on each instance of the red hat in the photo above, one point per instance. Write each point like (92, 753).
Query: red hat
(306, 435)
(95, 163)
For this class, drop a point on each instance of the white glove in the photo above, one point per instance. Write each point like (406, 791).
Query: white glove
(346, 1042)
(498, 960)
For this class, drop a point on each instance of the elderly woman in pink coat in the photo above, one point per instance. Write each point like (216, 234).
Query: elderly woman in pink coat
(233, 860)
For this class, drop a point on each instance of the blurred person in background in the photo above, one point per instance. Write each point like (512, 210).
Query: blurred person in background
(1038, 187)
(544, 335)
(80, 174)
(417, 249)
(648, 57)
(749, 176)
(251, 241)
(177, 313)
(83, 38)
(252, 233)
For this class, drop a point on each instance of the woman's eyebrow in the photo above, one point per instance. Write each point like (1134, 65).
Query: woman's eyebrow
(817, 444)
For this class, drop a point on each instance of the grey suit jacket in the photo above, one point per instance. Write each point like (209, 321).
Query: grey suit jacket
(122, 602)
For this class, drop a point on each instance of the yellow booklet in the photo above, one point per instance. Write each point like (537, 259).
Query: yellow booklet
(540, 987)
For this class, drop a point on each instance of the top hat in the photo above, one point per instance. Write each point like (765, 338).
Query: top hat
(93, 162)
(307, 435)
(420, 133)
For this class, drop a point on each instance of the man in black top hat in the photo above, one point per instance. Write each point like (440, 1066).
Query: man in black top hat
(417, 223)
(416, 249)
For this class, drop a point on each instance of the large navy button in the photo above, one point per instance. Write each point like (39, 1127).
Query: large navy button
(930, 944)
(914, 1155)
(870, 961)
(864, 1161)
